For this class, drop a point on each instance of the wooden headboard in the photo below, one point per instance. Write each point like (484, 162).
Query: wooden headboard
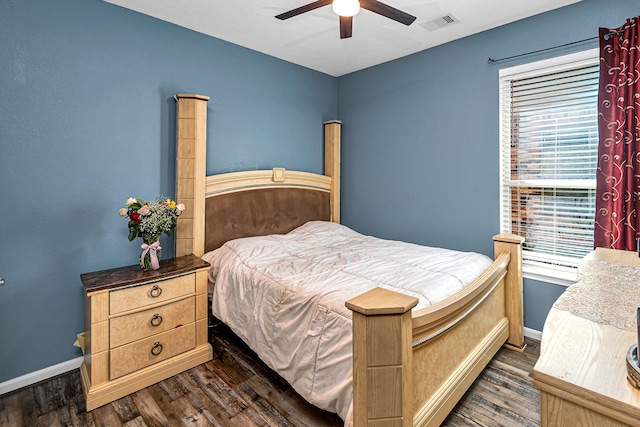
(250, 203)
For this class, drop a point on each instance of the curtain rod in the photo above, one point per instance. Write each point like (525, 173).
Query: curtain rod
(606, 37)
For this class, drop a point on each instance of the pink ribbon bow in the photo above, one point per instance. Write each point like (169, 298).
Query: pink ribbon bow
(152, 248)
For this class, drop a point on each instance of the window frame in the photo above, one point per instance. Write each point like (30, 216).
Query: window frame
(559, 275)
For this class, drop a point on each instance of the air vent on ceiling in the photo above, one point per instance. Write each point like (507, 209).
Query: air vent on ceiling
(439, 22)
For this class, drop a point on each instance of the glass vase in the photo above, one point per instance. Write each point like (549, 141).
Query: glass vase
(149, 252)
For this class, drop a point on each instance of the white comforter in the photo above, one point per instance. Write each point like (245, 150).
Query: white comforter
(284, 295)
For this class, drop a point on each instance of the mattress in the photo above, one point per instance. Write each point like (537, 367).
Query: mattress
(284, 295)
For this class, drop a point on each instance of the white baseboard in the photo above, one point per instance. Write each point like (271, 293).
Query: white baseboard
(532, 333)
(42, 374)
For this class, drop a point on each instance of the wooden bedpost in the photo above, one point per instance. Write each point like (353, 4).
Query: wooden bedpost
(332, 164)
(382, 358)
(191, 164)
(512, 244)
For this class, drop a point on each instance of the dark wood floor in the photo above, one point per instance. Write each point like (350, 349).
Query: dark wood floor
(236, 389)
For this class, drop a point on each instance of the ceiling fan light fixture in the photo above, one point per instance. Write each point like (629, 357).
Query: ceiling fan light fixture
(346, 7)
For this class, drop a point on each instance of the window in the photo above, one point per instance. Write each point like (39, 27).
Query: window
(549, 150)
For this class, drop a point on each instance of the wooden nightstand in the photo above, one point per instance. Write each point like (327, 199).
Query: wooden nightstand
(143, 326)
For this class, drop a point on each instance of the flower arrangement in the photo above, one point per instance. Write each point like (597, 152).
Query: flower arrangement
(149, 220)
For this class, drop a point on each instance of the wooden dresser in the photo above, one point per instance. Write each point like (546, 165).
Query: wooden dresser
(143, 326)
(581, 372)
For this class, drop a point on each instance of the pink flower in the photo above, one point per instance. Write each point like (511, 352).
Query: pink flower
(144, 210)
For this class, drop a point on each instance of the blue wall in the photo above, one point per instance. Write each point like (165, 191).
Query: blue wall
(87, 119)
(420, 134)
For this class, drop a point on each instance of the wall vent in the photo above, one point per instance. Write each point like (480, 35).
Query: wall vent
(439, 22)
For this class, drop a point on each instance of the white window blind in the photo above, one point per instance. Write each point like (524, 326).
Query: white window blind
(549, 148)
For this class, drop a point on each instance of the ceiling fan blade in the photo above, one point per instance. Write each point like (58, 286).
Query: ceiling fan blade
(302, 9)
(346, 26)
(387, 11)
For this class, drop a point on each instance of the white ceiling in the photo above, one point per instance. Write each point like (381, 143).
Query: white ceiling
(312, 39)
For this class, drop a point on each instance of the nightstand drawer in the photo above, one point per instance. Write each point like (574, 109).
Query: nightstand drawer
(135, 326)
(137, 297)
(140, 354)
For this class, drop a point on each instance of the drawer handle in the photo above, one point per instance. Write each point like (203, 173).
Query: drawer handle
(156, 320)
(156, 349)
(156, 291)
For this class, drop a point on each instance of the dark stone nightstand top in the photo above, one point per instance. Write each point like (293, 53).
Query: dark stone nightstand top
(133, 274)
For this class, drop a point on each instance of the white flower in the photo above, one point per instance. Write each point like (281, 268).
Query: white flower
(180, 207)
(124, 211)
(130, 201)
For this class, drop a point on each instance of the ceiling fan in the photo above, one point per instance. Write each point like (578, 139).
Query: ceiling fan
(346, 9)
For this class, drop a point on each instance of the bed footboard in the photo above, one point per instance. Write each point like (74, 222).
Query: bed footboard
(411, 368)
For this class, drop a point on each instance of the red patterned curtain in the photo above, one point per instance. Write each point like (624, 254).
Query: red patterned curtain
(618, 175)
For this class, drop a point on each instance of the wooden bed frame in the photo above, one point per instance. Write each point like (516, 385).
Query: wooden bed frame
(409, 367)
